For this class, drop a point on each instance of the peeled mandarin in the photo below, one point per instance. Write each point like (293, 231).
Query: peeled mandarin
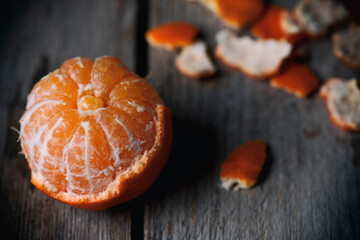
(95, 134)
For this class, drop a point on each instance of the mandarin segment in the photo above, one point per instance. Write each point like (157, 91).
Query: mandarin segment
(107, 71)
(131, 141)
(142, 112)
(89, 103)
(54, 140)
(172, 35)
(55, 86)
(78, 69)
(34, 123)
(89, 164)
(87, 147)
(242, 168)
(135, 88)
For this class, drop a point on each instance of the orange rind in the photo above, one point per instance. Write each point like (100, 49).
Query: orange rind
(346, 46)
(255, 58)
(242, 168)
(194, 62)
(235, 14)
(172, 35)
(277, 23)
(343, 100)
(317, 16)
(297, 79)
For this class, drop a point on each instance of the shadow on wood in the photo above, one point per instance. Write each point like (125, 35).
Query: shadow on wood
(192, 157)
(266, 168)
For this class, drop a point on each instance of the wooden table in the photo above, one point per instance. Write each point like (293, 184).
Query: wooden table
(309, 188)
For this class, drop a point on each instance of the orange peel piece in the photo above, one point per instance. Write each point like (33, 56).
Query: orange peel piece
(194, 62)
(242, 168)
(172, 35)
(239, 13)
(278, 23)
(297, 79)
(343, 100)
(316, 17)
(235, 13)
(346, 46)
(256, 58)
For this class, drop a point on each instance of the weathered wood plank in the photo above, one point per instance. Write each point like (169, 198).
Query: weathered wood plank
(309, 188)
(43, 35)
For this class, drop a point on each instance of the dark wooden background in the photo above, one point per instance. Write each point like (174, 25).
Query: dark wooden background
(309, 187)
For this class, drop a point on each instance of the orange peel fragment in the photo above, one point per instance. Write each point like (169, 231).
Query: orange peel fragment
(343, 100)
(172, 35)
(194, 62)
(255, 58)
(317, 17)
(278, 23)
(239, 13)
(297, 79)
(235, 13)
(242, 168)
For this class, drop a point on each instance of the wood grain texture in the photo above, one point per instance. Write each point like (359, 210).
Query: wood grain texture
(43, 35)
(310, 185)
(309, 188)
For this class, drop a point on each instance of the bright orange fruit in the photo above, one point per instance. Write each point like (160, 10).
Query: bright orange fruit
(172, 35)
(94, 133)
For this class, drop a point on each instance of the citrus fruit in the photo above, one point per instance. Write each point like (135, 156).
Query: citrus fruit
(94, 133)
